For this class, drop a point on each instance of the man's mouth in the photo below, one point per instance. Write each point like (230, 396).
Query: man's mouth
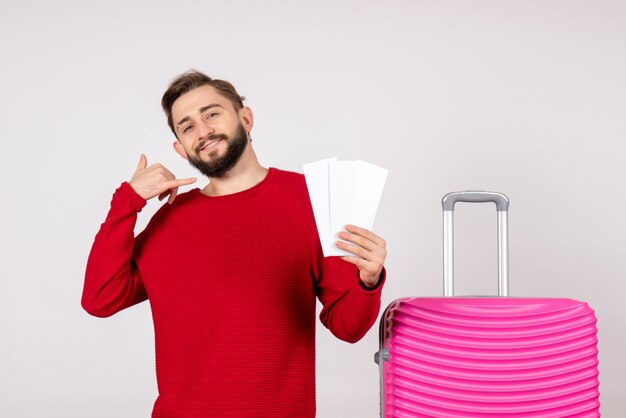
(209, 144)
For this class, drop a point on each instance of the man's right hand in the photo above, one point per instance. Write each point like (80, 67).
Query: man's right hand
(156, 180)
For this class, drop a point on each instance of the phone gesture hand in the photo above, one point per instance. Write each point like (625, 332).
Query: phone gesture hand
(156, 180)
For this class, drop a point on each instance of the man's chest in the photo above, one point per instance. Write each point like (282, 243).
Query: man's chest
(221, 254)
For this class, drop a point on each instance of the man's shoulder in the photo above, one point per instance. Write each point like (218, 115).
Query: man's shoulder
(288, 175)
(289, 189)
(187, 195)
(289, 181)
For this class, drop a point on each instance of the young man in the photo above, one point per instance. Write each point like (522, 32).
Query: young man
(231, 271)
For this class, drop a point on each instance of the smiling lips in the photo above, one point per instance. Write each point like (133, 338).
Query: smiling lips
(210, 143)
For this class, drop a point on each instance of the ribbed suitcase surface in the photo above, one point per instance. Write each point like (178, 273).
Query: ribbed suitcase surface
(489, 357)
(458, 357)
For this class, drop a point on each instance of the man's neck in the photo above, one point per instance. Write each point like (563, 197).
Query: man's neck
(243, 176)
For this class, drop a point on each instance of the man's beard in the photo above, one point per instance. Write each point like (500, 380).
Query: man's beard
(218, 166)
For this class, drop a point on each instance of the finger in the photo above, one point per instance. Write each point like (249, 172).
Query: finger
(158, 169)
(367, 234)
(351, 248)
(175, 183)
(361, 252)
(357, 240)
(172, 188)
(143, 163)
(364, 266)
(184, 182)
(173, 193)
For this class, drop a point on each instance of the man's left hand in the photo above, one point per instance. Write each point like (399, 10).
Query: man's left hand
(369, 249)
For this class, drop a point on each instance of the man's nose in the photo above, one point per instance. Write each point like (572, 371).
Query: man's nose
(205, 129)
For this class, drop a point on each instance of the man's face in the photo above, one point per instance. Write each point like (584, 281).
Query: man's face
(212, 135)
(217, 165)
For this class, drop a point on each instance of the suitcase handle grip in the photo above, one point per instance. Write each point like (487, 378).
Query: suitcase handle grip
(502, 207)
(475, 196)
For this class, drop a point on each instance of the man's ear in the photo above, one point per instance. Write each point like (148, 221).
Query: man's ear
(178, 147)
(247, 118)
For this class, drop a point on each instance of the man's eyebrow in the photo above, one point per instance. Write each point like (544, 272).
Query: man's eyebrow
(202, 110)
(183, 120)
(205, 108)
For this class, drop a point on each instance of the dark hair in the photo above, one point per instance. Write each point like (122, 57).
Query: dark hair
(190, 80)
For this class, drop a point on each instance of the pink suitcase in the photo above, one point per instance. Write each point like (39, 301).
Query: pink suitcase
(487, 356)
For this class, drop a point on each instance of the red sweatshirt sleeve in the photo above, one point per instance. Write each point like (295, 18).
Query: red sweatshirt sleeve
(112, 279)
(349, 309)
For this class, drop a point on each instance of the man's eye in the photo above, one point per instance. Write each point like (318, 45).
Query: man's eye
(211, 115)
(188, 127)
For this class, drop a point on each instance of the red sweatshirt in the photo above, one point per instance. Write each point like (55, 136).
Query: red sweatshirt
(232, 282)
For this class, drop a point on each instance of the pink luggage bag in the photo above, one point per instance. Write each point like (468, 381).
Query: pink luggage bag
(487, 356)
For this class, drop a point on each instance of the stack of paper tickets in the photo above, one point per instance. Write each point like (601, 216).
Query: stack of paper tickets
(343, 192)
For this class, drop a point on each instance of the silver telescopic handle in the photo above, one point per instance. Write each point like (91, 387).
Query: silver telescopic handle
(502, 207)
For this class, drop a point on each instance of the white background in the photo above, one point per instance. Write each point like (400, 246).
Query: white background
(523, 97)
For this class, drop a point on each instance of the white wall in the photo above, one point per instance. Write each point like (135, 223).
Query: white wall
(523, 97)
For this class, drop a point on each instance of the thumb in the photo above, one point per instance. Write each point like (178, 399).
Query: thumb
(143, 163)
